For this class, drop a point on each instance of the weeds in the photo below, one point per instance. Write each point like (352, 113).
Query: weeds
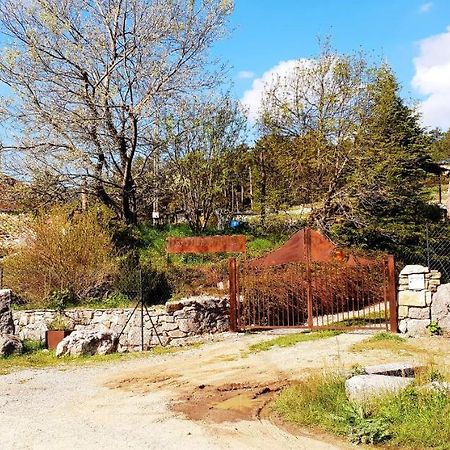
(416, 418)
(383, 341)
(434, 329)
(291, 339)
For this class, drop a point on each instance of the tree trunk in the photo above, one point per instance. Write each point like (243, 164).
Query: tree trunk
(128, 203)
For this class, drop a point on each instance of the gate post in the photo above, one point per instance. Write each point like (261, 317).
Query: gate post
(309, 293)
(232, 272)
(392, 294)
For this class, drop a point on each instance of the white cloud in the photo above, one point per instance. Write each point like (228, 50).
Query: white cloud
(246, 74)
(432, 79)
(425, 7)
(252, 98)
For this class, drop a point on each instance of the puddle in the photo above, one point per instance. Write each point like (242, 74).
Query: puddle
(231, 402)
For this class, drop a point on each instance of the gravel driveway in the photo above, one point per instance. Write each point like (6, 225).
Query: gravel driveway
(195, 399)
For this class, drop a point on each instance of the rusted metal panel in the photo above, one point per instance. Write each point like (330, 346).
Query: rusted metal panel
(392, 294)
(309, 293)
(321, 250)
(232, 270)
(208, 244)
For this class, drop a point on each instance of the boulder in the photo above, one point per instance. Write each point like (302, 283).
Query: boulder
(10, 345)
(414, 327)
(87, 342)
(440, 307)
(6, 317)
(361, 387)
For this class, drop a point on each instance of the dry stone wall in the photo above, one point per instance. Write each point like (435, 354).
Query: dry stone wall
(174, 324)
(422, 300)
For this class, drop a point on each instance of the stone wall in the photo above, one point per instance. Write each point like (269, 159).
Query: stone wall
(174, 323)
(422, 300)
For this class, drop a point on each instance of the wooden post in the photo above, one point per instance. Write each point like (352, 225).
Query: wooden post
(392, 294)
(232, 271)
(309, 293)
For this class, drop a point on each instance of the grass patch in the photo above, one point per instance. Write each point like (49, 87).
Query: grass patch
(289, 340)
(415, 418)
(384, 341)
(34, 357)
(371, 318)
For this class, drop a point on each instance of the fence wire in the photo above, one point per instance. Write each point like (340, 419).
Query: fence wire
(429, 247)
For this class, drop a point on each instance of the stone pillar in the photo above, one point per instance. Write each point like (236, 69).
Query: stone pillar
(416, 287)
(6, 317)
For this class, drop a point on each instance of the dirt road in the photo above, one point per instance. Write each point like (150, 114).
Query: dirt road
(205, 398)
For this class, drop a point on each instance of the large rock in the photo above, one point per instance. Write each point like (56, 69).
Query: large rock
(87, 342)
(10, 345)
(414, 327)
(6, 317)
(361, 388)
(440, 307)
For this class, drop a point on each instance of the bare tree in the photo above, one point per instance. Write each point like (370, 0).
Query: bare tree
(313, 115)
(199, 143)
(92, 79)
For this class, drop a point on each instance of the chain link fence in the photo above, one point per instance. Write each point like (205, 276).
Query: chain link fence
(428, 247)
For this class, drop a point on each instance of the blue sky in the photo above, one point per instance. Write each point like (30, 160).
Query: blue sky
(267, 32)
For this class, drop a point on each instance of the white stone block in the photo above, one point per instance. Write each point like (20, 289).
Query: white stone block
(416, 268)
(363, 387)
(402, 311)
(411, 298)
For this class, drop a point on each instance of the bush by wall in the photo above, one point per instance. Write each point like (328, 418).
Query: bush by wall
(65, 251)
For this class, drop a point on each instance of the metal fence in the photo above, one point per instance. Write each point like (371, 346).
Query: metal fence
(428, 247)
(311, 283)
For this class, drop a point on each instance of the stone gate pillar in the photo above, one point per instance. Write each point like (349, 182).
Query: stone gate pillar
(417, 284)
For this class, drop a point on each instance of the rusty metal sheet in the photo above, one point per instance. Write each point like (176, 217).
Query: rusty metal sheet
(296, 250)
(208, 244)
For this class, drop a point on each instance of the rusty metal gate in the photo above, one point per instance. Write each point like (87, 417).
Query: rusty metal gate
(310, 283)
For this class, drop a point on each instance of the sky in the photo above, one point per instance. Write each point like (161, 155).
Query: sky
(267, 36)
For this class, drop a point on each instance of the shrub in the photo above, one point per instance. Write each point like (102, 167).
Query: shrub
(67, 253)
(434, 329)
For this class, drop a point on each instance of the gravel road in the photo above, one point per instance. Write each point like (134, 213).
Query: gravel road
(137, 403)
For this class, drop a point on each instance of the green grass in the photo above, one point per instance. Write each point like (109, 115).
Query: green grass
(383, 341)
(415, 418)
(385, 336)
(35, 357)
(257, 246)
(289, 340)
(372, 318)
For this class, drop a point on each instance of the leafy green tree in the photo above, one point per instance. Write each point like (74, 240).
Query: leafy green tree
(440, 149)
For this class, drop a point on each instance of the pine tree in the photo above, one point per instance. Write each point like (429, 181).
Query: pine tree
(386, 184)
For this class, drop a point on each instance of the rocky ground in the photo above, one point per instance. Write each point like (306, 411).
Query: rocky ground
(205, 398)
